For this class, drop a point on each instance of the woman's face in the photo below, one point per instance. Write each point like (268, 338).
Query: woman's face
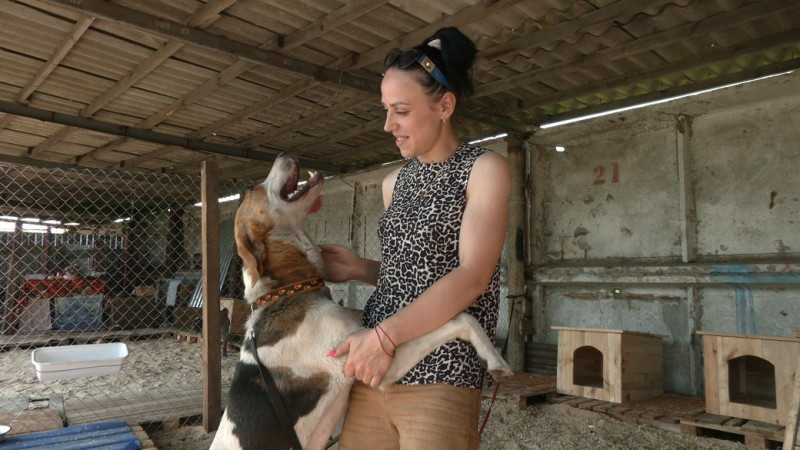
(414, 118)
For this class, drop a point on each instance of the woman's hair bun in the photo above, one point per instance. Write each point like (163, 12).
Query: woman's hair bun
(458, 55)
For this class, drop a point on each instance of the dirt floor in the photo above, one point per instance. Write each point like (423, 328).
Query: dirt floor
(539, 426)
(170, 365)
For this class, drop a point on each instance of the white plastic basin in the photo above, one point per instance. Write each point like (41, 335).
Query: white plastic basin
(64, 363)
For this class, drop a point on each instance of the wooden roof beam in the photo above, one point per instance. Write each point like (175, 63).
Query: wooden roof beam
(200, 38)
(649, 43)
(475, 13)
(280, 96)
(192, 167)
(202, 18)
(211, 85)
(678, 67)
(161, 151)
(244, 171)
(563, 30)
(368, 148)
(320, 116)
(201, 91)
(340, 17)
(6, 121)
(148, 135)
(357, 130)
(70, 40)
(49, 142)
(231, 72)
(774, 68)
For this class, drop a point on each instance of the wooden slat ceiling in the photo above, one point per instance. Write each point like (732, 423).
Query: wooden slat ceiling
(161, 85)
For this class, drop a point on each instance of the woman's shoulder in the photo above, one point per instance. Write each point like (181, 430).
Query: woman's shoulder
(391, 178)
(387, 187)
(474, 152)
(490, 170)
(490, 161)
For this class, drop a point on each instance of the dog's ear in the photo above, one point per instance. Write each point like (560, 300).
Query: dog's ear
(244, 247)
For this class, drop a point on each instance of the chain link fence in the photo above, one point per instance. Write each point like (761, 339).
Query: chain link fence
(100, 257)
(108, 264)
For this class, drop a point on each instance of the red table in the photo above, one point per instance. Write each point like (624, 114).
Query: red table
(33, 306)
(62, 287)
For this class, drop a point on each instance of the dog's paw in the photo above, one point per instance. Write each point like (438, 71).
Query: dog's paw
(501, 372)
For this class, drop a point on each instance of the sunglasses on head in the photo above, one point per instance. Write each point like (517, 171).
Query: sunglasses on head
(405, 58)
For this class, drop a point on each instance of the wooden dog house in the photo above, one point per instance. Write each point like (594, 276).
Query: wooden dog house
(749, 377)
(610, 365)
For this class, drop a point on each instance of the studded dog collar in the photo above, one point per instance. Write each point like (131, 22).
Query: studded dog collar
(300, 287)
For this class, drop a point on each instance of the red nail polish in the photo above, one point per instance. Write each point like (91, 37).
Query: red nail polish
(331, 353)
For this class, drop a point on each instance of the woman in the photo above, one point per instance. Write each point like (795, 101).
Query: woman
(441, 238)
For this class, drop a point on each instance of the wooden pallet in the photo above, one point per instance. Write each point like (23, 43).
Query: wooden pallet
(234, 343)
(63, 337)
(651, 412)
(521, 387)
(24, 422)
(756, 434)
(142, 436)
(188, 336)
(686, 421)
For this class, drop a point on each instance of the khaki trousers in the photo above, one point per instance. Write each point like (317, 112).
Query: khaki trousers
(430, 416)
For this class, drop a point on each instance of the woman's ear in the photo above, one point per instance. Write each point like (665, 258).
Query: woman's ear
(447, 105)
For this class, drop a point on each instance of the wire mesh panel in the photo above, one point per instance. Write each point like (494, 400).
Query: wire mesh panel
(98, 272)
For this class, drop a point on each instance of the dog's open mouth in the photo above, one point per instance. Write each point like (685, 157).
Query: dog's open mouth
(293, 190)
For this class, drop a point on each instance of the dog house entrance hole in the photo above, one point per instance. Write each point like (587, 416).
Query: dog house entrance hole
(588, 367)
(751, 380)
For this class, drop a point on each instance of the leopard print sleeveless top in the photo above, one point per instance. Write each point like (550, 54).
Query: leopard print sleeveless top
(419, 235)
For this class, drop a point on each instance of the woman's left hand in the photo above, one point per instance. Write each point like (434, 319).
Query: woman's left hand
(366, 360)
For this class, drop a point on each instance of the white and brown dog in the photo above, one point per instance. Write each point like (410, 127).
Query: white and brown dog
(297, 324)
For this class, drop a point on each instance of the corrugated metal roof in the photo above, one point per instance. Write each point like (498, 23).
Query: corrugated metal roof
(251, 78)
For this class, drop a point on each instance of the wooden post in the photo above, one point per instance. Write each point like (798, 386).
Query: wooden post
(515, 237)
(126, 256)
(790, 436)
(175, 252)
(686, 194)
(96, 249)
(48, 237)
(10, 311)
(539, 164)
(212, 356)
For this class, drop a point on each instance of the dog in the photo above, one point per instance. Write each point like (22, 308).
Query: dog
(295, 331)
(224, 329)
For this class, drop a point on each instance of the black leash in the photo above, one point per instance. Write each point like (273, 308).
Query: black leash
(275, 396)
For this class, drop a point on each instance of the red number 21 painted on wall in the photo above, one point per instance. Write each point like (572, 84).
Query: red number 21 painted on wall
(600, 171)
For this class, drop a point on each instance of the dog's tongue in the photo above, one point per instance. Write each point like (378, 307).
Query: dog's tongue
(316, 206)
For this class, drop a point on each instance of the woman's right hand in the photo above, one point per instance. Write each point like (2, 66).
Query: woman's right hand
(368, 359)
(341, 264)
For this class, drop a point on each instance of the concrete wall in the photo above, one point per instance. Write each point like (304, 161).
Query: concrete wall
(680, 217)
